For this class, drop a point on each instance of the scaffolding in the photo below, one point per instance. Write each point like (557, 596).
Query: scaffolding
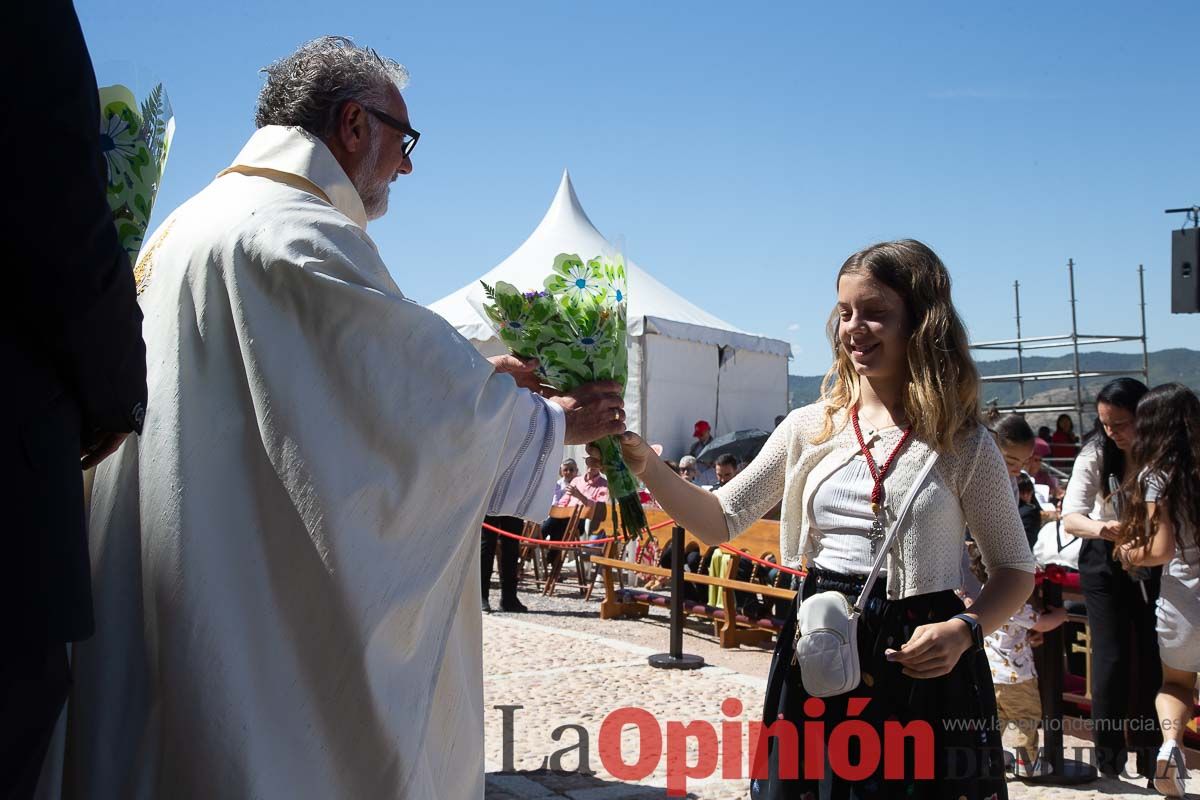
(1073, 340)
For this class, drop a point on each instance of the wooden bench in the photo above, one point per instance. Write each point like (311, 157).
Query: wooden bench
(731, 628)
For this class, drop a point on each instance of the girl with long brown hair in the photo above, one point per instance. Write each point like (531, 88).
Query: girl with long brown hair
(898, 414)
(1161, 527)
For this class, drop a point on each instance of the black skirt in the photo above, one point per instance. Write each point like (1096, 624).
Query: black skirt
(960, 747)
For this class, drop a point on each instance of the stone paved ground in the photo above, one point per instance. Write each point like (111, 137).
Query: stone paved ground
(563, 666)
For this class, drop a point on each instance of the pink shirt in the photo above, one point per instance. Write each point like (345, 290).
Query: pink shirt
(596, 491)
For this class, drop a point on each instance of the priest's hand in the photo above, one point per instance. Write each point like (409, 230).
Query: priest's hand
(593, 410)
(521, 369)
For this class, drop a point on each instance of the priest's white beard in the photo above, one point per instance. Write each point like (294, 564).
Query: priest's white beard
(372, 189)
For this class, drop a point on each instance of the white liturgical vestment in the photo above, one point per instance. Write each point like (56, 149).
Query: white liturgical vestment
(286, 562)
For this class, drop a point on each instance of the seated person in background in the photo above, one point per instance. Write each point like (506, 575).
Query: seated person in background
(1031, 510)
(727, 468)
(689, 470)
(588, 489)
(771, 576)
(1041, 450)
(1063, 442)
(567, 472)
(746, 602)
(692, 557)
(1010, 656)
(591, 488)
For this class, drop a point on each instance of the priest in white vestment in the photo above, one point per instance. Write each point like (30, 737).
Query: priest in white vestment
(285, 563)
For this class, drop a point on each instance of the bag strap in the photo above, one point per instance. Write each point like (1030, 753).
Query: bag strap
(895, 530)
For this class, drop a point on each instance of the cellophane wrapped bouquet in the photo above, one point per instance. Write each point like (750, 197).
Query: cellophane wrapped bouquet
(575, 326)
(134, 139)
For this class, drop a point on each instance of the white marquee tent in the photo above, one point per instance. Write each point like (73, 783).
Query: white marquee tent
(684, 363)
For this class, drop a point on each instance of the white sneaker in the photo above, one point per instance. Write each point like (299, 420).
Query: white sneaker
(1170, 774)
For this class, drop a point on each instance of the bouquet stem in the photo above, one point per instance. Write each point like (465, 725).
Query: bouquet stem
(623, 488)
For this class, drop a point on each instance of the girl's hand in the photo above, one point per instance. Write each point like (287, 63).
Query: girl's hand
(635, 452)
(933, 649)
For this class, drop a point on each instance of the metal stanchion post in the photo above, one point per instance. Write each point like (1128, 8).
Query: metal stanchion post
(1049, 659)
(676, 659)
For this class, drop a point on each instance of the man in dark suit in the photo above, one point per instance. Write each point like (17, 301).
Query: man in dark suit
(75, 362)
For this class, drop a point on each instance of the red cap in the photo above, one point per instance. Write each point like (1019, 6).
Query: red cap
(702, 427)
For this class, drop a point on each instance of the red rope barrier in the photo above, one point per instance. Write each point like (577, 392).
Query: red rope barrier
(1058, 574)
(763, 561)
(548, 542)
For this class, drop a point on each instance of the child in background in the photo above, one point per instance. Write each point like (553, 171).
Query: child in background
(1161, 525)
(1016, 441)
(1030, 509)
(1010, 655)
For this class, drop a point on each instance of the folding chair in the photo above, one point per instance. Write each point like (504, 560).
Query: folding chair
(587, 572)
(573, 515)
(531, 552)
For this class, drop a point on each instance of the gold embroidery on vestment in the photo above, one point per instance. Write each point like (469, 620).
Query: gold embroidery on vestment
(145, 262)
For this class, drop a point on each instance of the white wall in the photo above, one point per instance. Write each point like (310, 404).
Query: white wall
(681, 388)
(753, 391)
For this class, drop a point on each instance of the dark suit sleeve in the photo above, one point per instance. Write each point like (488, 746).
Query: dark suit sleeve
(1031, 519)
(71, 285)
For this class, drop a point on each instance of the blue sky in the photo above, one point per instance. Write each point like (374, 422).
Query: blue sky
(742, 151)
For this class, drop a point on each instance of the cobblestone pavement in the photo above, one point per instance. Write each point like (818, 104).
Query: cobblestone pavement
(561, 665)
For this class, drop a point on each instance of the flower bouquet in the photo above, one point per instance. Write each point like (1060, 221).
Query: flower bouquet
(134, 140)
(575, 327)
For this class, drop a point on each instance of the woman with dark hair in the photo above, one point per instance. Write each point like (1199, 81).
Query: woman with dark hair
(1161, 526)
(1063, 442)
(898, 414)
(1125, 668)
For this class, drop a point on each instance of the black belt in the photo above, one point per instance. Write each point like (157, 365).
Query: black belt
(851, 586)
(837, 581)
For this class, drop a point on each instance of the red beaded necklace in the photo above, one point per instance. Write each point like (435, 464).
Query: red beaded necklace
(877, 473)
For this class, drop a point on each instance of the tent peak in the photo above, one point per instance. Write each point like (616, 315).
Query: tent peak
(566, 206)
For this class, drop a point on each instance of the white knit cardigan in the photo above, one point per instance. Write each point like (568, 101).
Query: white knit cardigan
(968, 487)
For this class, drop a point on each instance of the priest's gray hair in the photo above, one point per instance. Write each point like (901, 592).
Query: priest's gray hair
(308, 88)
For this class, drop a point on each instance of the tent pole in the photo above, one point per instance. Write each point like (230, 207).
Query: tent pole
(717, 413)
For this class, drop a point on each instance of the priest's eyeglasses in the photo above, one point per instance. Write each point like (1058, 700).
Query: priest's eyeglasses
(410, 136)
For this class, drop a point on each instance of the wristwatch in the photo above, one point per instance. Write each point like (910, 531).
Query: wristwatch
(976, 630)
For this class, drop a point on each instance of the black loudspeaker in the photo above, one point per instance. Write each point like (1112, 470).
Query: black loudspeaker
(1185, 264)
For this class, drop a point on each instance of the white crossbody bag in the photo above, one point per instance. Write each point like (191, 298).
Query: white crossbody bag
(827, 625)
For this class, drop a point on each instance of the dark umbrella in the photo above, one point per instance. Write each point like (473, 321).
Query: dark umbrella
(743, 445)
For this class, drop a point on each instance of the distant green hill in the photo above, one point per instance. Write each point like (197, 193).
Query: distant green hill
(1180, 364)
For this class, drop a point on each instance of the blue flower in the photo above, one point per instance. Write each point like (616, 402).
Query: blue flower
(582, 283)
(118, 145)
